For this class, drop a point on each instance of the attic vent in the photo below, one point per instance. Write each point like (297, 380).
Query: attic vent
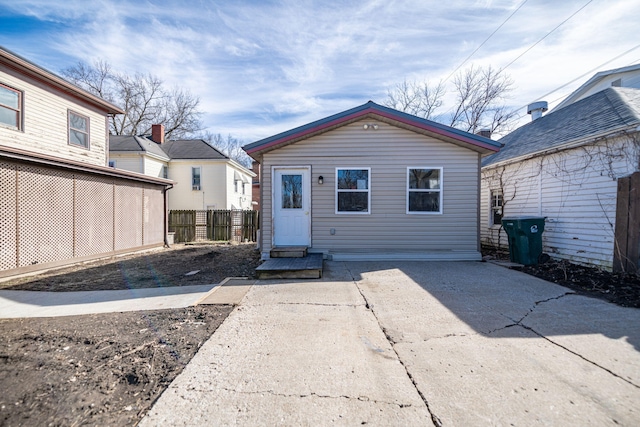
(616, 83)
(536, 109)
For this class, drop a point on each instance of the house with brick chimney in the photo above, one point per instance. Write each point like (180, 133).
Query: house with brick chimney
(205, 178)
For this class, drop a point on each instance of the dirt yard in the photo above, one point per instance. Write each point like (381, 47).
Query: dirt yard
(159, 268)
(108, 369)
(618, 288)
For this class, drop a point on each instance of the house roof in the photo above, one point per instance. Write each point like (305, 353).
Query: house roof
(605, 112)
(592, 82)
(192, 149)
(175, 150)
(129, 143)
(26, 67)
(374, 111)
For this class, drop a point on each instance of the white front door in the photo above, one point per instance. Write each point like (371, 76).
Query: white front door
(292, 206)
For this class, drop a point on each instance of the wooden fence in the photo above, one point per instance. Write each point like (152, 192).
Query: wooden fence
(227, 225)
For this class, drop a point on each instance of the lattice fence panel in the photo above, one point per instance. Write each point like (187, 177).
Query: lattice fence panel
(128, 215)
(94, 215)
(8, 242)
(153, 215)
(45, 215)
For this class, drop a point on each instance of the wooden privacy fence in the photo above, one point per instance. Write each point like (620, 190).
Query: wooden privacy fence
(234, 225)
(627, 232)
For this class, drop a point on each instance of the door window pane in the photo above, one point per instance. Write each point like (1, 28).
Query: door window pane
(291, 191)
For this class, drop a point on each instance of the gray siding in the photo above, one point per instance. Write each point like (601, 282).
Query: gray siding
(388, 151)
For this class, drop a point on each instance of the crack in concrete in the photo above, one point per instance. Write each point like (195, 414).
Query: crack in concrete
(434, 418)
(535, 304)
(320, 304)
(322, 396)
(518, 323)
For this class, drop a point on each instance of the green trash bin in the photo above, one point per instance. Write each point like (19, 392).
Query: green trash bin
(525, 238)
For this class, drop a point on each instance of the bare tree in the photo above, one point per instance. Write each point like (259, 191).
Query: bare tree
(229, 146)
(416, 98)
(143, 97)
(479, 100)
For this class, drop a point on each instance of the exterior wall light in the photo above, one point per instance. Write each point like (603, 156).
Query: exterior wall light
(320, 180)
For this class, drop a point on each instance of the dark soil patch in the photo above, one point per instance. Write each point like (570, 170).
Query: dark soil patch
(108, 369)
(620, 289)
(102, 369)
(160, 268)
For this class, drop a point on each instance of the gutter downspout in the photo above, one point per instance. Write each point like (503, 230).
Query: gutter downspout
(166, 215)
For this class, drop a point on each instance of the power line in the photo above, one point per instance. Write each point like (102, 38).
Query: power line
(486, 40)
(585, 74)
(545, 36)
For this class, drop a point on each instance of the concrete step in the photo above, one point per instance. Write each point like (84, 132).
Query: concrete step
(289, 252)
(308, 267)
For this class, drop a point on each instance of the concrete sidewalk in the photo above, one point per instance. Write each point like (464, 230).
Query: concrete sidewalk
(413, 343)
(15, 304)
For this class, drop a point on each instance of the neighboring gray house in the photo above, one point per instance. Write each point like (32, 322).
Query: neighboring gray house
(372, 183)
(204, 177)
(578, 167)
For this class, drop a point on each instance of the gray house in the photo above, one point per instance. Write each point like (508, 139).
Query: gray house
(372, 183)
(578, 166)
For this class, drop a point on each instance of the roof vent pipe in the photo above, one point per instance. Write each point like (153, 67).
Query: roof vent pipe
(536, 109)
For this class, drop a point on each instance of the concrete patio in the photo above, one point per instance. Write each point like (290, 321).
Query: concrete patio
(413, 343)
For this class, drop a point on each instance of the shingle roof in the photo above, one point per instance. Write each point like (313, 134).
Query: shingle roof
(371, 109)
(192, 149)
(135, 144)
(179, 149)
(610, 110)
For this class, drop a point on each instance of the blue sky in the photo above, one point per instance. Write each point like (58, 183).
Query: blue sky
(263, 67)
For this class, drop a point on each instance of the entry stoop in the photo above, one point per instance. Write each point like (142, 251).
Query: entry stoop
(307, 267)
(288, 252)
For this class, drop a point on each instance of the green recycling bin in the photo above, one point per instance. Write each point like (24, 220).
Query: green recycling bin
(525, 238)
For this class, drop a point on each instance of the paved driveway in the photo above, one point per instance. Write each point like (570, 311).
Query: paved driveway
(413, 343)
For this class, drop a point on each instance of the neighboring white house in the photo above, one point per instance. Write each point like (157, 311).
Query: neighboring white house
(578, 167)
(372, 183)
(205, 179)
(59, 202)
(619, 77)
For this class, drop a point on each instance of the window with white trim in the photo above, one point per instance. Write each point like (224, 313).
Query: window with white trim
(78, 130)
(10, 107)
(496, 208)
(195, 178)
(424, 190)
(353, 190)
(165, 171)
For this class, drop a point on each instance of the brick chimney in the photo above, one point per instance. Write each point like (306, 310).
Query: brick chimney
(157, 133)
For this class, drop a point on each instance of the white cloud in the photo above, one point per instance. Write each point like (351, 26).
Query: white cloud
(263, 67)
